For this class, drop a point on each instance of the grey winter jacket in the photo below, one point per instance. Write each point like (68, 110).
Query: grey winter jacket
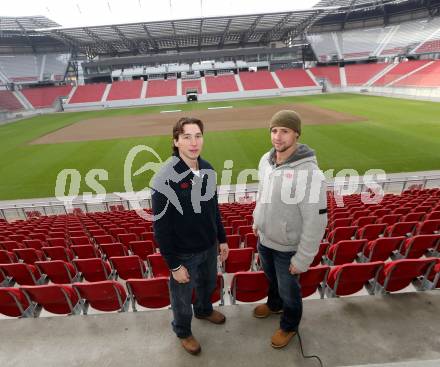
(291, 209)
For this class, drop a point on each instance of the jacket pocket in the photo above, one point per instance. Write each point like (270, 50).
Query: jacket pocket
(276, 231)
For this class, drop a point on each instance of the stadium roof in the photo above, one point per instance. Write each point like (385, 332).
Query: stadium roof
(25, 24)
(357, 3)
(197, 33)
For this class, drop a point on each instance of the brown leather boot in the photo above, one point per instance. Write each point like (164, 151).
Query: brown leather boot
(281, 338)
(216, 317)
(263, 311)
(191, 345)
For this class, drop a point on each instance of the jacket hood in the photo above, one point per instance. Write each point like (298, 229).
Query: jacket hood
(302, 152)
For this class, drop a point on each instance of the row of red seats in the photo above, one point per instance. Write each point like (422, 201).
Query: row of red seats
(109, 295)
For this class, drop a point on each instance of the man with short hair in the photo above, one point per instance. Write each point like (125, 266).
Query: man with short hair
(290, 219)
(188, 228)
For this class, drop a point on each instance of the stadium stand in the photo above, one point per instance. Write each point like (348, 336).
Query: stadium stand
(426, 77)
(162, 88)
(191, 84)
(359, 74)
(130, 89)
(88, 93)
(399, 71)
(331, 73)
(257, 80)
(292, 78)
(45, 96)
(34, 67)
(9, 102)
(221, 84)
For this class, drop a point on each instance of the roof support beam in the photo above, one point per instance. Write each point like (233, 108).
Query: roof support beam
(129, 44)
(245, 37)
(276, 29)
(175, 36)
(225, 34)
(109, 47)
(152, 41)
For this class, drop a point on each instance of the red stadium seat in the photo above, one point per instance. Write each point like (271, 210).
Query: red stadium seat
(312, 280)
(142, 248)
(107, 295)
(347, 279)
(55, 298)
(398, 274)
(158, 266)
(129, 267)
(93, 270)
(13, 303)
(344, 252)
(149, 293)
(381, 249)
(58, 271)
(248, 286)
(85, 251)
(239, 260)
(23, 274)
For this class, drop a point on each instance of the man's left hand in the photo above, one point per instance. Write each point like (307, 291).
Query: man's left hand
(293, 270)
(224, 251)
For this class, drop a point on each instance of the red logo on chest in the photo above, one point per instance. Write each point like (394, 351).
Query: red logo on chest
(184, 185)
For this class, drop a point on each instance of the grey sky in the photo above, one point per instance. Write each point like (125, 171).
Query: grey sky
(72, 13)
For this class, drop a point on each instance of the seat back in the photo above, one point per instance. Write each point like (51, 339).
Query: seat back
(398, 274)
(107, 295)
(23, 274)
(250, 240)
(85, 251)
(344, 252)
(381, 249)
(239, 260)
(371, 231)
(149, 293)
(249, 286)
(142, 248)
(93, 270)
(58, 253)
(158, 266)
(311, 280)
(129, 267)
(80, 241)
(350, 278)
(58, 271)
(13, 302)
(55, 298)
(415, 247)
(233, 241)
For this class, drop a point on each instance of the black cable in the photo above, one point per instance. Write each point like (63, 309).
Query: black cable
(311, 356)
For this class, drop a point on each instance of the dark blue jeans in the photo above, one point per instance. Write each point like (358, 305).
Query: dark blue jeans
(284, 289)
(202, 269)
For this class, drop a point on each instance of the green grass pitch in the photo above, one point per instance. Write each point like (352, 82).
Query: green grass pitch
(397, 136)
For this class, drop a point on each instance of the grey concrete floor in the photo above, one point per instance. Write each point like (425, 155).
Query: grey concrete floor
(399, 328)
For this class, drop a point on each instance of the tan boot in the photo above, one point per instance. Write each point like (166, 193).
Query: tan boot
(263, 311)
(216, 317)
(281, 338)
(191, 345)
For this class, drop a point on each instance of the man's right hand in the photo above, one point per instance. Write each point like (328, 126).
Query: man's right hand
(181, 275)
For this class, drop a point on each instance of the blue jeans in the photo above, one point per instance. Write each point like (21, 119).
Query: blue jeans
(202, 269)
(284, 289)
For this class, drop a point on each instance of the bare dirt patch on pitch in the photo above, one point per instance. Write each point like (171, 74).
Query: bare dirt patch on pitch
(151, 124)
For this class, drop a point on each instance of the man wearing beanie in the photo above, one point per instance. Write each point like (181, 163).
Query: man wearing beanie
(290, 219)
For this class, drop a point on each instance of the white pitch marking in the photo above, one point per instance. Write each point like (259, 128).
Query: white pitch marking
(171, 111)
(218, 108)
